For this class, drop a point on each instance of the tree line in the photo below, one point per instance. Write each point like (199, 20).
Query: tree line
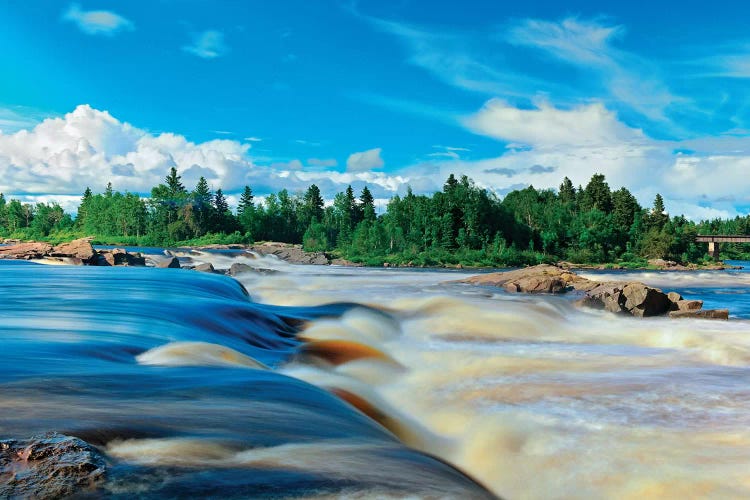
(461, 224)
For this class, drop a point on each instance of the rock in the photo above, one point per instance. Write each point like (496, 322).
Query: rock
(722, 314)
(169, 263)
(238, 268)
(206, 267)
(80, 249)
(643, 301)
(607, 296)
(674, 296)
(543, 278)
(291, 253)
(120, 257)
(537, 284)
(26, 251)
(687, 305)
(50, 466)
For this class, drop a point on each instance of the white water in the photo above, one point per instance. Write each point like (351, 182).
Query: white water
(534, 398)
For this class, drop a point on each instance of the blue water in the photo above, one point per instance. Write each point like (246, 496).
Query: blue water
(70, 340)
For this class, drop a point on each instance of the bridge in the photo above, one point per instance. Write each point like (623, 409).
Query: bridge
(713, 241)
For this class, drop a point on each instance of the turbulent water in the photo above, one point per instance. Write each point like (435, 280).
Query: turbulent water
(191, 386)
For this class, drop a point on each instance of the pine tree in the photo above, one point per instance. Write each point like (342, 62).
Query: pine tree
(367, 202)
(174, 184)
(567, 191)
(202, 205)
(313, 204)
(246, 210)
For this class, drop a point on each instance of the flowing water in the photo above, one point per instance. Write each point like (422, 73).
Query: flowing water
(191, 386)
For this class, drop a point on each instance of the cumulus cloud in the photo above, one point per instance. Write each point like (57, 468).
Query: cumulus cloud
(207, 45)
(60, 157)
(545, 125)
(697, 177)
(97, 22)
(365, 160)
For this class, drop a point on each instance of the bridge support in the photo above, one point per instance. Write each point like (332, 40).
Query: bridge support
(713, 249)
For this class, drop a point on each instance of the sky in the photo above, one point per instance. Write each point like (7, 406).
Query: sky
(392, 94)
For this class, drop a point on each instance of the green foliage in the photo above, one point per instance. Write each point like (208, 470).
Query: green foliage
(461, 224)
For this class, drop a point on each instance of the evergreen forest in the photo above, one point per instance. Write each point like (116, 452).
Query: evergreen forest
(461, 224)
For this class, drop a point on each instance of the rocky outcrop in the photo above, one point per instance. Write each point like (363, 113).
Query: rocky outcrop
(76, 252)
(49, 466)
(77, 249)
(634, 298)
(543, 278)
(26, 251)
(291, 253)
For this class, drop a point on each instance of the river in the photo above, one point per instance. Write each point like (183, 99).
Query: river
(188, 383)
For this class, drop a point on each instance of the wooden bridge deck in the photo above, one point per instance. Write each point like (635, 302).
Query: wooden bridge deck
(723, 238)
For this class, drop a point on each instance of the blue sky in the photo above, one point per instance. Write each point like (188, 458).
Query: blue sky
(388, 94)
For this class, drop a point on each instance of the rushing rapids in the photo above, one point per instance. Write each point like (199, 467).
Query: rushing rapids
(188, 385)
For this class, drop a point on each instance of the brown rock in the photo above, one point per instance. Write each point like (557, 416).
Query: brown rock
(642, 300)
(169, 263)
(674, 296)
(687, 305)
(722, 314)
(120, 257)
(291, 253)
(80, 249)
(50, 466)
(206, 267)
(26, 251)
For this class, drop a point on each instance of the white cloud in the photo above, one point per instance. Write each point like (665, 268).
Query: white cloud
(253, 139)
(630, 79)
(97, 22)
(58, 158)
(590, 125)
(208, 45)
(365, 160)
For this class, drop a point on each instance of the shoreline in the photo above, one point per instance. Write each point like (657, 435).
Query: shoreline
(295, 254)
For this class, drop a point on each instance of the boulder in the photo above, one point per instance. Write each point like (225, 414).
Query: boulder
(674, 296)
(80, 249)
(49, 466)
(120, 257)
(238, 268)
(607, 296)
(642, 300)
(722, 314)
(169, 263)
(687, 305)
(537, 284)
(206, 267)
(26, 251)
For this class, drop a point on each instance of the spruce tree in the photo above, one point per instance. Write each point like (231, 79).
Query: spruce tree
(367, 202)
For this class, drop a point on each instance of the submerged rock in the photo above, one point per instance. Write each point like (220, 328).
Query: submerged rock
(49, 466)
